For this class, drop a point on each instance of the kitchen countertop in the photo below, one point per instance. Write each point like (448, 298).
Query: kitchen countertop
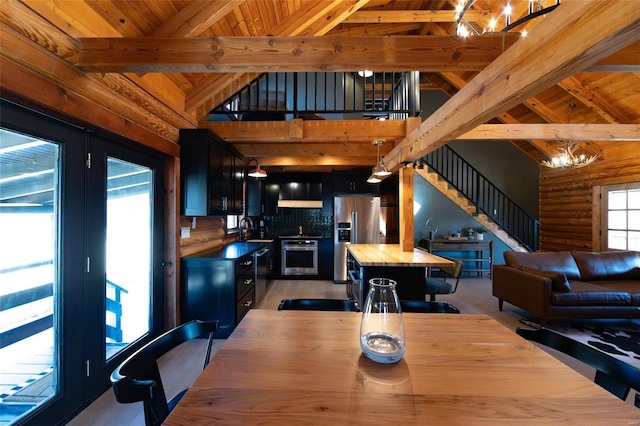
(229, 252)
(392, 255)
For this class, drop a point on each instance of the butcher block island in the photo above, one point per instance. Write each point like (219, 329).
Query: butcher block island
(407, 268)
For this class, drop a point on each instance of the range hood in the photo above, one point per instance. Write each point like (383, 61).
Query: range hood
(303, 195)
(301, 204)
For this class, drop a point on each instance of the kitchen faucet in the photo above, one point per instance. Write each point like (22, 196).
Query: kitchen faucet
(246, 224)
(299, 229)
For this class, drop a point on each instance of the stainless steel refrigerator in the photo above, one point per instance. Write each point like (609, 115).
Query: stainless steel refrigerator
(356, 220)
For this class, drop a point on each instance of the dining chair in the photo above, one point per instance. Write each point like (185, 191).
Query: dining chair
(612, 374)
(318, 305)
(424, 307)
(138, 378)
(433, 286)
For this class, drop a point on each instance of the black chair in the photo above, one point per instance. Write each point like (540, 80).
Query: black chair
(612, 374)
(433, 286)
(318, 305)
(138, 378)
(420, 306)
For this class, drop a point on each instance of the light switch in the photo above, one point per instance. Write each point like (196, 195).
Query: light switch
(185, 232)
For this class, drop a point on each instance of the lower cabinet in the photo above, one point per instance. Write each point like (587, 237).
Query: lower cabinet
(218, 289)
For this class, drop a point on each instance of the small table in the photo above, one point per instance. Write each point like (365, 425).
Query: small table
(306, 367)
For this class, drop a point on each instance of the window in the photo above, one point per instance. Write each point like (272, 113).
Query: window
(621, 217)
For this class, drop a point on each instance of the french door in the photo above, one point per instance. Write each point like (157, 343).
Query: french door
(81, 276)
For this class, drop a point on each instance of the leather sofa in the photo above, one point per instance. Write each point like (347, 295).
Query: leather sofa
(576, 284)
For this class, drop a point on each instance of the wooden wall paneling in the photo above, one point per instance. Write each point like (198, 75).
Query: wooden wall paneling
(596, 214)
(406, 198)
(171, 248)
(209, 233)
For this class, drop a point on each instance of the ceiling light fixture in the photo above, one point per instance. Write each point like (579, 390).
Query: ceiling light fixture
(566, 157)
(535, 9)
(379, 171)
(365, 73)
(256, 172)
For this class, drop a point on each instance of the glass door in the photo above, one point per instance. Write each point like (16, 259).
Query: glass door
(81, 262)
(125, 241)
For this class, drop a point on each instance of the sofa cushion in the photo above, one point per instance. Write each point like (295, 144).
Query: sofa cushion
(554, 261)
(627, 286)
(559, 281)
(589, 294)
(607, 265)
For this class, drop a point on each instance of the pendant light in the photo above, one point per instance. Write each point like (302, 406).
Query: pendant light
(380, 170)
(256, 172)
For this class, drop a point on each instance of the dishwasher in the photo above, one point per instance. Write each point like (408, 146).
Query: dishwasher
(261, 261)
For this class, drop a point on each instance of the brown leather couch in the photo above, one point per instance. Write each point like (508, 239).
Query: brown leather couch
(563, 284)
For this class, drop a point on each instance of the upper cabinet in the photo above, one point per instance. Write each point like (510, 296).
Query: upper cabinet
(211, 174)
(354, 183)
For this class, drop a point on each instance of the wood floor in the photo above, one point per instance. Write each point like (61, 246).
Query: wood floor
(181, 367)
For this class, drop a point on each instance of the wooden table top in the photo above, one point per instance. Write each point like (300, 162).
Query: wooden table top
(306, 367)
(392, 255)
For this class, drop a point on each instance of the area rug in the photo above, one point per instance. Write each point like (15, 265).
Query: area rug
(618, 338)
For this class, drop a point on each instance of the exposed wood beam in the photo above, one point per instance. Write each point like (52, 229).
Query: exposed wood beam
(578, 132)
(313, 17)
(28, 54)
(602, 107)
(626, 59)
(596, 29)
(195, 18)
(374, 30)
(312, 131)
(388, 16)
(259, 54)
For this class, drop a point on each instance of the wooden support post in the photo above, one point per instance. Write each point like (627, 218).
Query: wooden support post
(406, 208)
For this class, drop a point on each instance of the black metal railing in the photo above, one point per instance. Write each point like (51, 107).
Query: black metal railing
(487, 198)
(270, 96)
(39, 322)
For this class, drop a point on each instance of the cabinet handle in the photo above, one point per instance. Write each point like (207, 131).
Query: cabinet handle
(247, 262)
(247, 303)
(248, 281)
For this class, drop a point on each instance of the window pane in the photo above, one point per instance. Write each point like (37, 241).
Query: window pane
(129, 277)
(634, 241)
(618, 240)
(29, 209)
(634, 220)
(634, 198)
(618, 219)
(617, 200)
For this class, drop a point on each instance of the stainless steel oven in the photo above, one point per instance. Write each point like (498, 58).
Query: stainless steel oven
(299, 257)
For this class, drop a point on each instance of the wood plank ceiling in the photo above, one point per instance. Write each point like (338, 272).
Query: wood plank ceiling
(162, 65)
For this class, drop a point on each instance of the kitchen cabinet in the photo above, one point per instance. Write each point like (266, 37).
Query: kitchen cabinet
(354, 183)
(325, 259)
(255, 197)
(211, 175)
(220, 285)
(301, 191)
(271, 193)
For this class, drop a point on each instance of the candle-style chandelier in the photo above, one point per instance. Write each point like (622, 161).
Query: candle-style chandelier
(567, 156)
(536, 8)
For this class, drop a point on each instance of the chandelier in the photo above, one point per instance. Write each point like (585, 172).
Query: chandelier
(536, 8)
(566, 157)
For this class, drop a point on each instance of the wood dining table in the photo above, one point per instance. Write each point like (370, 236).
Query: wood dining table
(307, 368)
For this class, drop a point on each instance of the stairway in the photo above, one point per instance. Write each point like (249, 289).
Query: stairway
(463, 202)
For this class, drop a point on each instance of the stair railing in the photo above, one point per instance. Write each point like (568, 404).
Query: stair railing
(487, 198)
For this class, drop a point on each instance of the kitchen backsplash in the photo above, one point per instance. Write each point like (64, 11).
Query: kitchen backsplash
(287, 220)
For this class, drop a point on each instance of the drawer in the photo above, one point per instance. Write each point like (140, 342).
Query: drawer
(244, 304)
(244, 281)
(243, 265)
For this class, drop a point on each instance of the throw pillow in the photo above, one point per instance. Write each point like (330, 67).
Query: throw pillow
(559, 281)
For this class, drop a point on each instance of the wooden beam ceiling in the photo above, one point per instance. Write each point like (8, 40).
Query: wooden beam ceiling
(273, 54)
(510, 80)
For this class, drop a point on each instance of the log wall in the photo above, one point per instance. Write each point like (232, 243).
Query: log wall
(570, 199)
